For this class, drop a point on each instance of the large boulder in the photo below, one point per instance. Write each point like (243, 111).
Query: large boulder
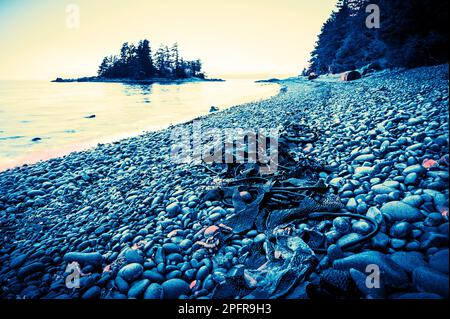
(399, 211)
(426, 279)
(391, 273)
(350, 76)
(312, 76)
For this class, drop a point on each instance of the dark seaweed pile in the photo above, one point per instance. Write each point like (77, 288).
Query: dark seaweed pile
(275, 204)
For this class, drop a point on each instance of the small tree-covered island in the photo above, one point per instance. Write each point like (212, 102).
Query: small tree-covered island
(136, 63)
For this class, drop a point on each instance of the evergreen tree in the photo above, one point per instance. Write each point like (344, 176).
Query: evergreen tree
(144, 55)
(167, 62)
(412, 33)
(160, 61)
(174, 57)
(103, 68)
(136, 62)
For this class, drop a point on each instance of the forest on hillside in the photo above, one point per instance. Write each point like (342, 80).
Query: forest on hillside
(138, 62)
(412, 33)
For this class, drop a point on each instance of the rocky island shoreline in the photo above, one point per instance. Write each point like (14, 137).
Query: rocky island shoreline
(135, 223)
(137, 81)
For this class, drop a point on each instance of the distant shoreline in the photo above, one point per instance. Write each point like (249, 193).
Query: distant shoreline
(135, 81)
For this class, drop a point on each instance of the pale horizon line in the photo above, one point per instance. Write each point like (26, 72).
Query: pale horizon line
(231, 75)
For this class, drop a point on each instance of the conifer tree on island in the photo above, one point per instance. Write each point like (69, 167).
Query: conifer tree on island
(138, 63)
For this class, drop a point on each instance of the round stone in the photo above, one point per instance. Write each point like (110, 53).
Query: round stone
(361, 227)
(174, 288)
(173, 209)
(154, 291)
(131, 272)
(400, 230)
(341, 224)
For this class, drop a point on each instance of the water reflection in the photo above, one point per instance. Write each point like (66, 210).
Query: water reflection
(70, 116)
(143, 90)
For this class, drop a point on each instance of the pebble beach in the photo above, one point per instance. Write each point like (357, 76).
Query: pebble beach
(131, 218)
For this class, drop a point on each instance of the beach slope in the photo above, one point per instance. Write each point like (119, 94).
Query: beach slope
(134, 215)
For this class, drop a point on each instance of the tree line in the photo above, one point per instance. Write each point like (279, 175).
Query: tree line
(138, 62)
(412, 33)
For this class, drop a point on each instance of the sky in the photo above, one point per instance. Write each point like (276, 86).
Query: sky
(43, 39)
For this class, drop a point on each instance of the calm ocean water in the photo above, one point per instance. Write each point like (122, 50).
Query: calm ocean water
(61, 114)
